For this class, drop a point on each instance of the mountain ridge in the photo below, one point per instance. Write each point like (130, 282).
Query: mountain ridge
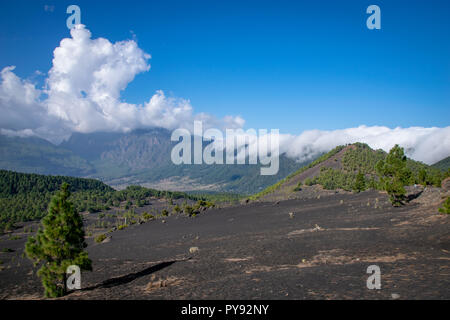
(139, 157)
(338, 169)
(443, 164)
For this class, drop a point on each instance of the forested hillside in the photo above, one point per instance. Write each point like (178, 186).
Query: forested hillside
(351, 167)
(25, 197)
(443, 165)
(360, 158)
(15, 183)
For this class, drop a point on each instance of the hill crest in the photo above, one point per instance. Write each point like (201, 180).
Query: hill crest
(337, 170)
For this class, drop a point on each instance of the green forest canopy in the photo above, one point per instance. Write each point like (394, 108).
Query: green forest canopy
(359, 158)
(25, 197)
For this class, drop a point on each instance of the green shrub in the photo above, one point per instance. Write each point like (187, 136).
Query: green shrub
(100, 238)
(204, 203)
(298, 187)
(445, 207)
(8, 226)
(309, 182)
(176, 209)
(188, 210)
(146, 216)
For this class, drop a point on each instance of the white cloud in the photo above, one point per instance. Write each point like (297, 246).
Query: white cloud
(428, 145)
(19, 102)
(83, 91)
(83, 94)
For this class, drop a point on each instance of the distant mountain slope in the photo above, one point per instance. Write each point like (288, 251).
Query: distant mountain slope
(338, 169)
(140, 157)
(136, 154)
(35, 155)
(143, 157)
(139, 149)
(443, 165)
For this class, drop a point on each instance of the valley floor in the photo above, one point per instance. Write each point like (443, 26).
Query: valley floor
(258, 251)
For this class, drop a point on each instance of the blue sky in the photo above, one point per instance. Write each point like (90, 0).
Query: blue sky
(293, 65)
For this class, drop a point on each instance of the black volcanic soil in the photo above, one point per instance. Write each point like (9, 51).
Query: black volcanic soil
(257, 251)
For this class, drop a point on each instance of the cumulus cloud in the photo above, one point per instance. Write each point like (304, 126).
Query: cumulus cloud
(82, 93)
(19, 100)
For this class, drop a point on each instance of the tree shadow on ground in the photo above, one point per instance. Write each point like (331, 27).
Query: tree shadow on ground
(413, 196)
(113, 282)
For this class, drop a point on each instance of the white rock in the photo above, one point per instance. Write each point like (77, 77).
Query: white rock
(395, 296)
(193, 249)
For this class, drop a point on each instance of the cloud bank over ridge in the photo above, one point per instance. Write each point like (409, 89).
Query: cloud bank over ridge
(428, 145)
(82, 93)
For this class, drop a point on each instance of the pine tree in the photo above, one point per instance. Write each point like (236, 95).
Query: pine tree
(394, 175)
(360, 182)
(58, 244)
(423, 177)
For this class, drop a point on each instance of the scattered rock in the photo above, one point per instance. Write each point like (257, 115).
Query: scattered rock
(395, 296)
(245, 201)
(193, 249)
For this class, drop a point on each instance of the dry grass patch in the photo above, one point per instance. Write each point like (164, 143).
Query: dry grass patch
(156, 284)
(238, 259)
